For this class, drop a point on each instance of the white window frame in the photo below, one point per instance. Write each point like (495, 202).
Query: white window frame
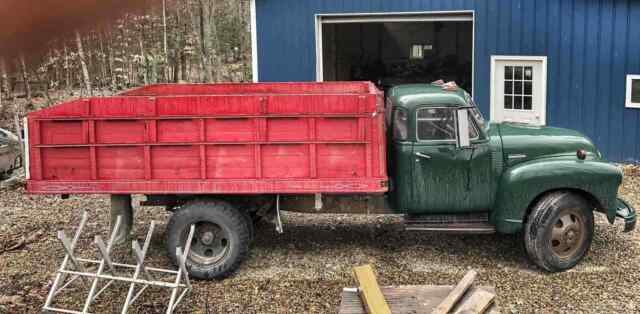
(494, 61)
(628, 102)
(390, 17)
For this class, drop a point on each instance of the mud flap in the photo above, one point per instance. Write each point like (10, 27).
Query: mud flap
(627, 213)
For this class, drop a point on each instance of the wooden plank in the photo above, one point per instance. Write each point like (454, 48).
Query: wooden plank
(370, 292)
(477, 303)
(456, 294)
(408, 299)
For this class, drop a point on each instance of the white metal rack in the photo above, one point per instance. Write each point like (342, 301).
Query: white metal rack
(99, 275)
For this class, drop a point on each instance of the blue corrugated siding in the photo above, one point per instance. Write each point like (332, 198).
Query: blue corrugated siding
(591, 46)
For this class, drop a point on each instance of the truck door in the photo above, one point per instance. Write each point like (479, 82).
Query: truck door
(448, 179)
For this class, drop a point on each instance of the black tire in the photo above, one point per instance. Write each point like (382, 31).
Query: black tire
(249, 219)
(221, 240)
(559, 231)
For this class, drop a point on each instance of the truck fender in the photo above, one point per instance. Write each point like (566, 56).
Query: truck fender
(521, 186)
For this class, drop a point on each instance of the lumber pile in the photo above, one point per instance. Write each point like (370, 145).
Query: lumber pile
(370, 298)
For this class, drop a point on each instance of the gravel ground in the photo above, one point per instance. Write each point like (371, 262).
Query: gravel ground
(304, 269)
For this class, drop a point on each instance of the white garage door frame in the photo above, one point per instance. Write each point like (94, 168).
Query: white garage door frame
(391, 17)
(254, 42)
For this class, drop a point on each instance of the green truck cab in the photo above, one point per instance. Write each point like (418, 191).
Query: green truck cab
(453, 171)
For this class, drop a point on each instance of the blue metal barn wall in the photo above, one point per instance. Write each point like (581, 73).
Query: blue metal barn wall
(591, 46)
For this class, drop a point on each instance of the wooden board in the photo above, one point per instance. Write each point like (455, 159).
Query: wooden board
(372, 297)
(456, 294)
(409, 299)
(478, 302)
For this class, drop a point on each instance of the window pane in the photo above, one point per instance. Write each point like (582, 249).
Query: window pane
(417, 52)
(508, 73)
(518, 73)
(400, 125)
(528, 88)
(436, 124)
(479, 118)
(527, 103)
(508, 102)
(517, 102)
(635, 91)
(528, 73)
(473, 133)
(517, 88)
(508, 87)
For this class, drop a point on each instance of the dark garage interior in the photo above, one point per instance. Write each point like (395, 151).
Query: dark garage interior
(395, 53)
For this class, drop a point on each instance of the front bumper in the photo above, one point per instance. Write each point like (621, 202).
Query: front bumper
(626, 212)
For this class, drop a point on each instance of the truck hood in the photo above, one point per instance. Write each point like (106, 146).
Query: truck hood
(522, 142)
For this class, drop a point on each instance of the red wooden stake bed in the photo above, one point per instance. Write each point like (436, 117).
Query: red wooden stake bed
(293, 138)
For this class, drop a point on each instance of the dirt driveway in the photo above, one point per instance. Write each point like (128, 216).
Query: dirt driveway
(304, 270)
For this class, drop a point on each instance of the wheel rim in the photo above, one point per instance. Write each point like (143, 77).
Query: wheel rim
(567, 234)
(211, 243)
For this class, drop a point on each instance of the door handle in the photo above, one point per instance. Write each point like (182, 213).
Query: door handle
(421, 155)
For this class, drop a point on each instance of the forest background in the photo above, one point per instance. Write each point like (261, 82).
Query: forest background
(52, 50)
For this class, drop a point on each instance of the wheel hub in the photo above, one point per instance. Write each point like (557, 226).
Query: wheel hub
(570, 237)
(210, 244)
(207, 238)
(567, 234)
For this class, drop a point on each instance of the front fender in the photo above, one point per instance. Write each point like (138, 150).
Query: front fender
(521, 185)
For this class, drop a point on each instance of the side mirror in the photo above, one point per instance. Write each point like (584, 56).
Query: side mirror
(463, 140)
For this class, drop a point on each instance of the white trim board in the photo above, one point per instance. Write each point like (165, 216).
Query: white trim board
(396, 17)
(254, 43)
(496, 58)
(391, 17)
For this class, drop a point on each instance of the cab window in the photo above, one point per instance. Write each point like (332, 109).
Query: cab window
(400, 125)
(436, 124)
(439, 124)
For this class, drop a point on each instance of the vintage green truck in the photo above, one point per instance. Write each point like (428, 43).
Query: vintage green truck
(222, 157)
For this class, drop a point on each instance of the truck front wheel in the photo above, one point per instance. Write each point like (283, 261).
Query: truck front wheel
(559, 231)
(220, 242)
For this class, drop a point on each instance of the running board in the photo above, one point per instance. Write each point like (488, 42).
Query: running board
(469, 224)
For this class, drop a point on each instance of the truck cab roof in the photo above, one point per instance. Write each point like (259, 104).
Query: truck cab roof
(413, 95)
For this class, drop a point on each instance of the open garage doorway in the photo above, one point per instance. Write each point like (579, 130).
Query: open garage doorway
(394, 49)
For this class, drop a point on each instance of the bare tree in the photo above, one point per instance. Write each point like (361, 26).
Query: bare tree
(25, 80)
(85, 71)
(203, 21)
(4, 87)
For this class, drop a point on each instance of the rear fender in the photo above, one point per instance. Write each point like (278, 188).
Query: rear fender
(523, 184)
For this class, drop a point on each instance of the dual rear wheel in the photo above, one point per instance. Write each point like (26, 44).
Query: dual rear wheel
(220, 241)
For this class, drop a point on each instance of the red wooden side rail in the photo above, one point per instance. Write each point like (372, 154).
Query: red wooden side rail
(294, 138)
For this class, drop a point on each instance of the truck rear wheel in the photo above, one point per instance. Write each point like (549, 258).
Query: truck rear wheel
(220, 242)
(559, 231)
